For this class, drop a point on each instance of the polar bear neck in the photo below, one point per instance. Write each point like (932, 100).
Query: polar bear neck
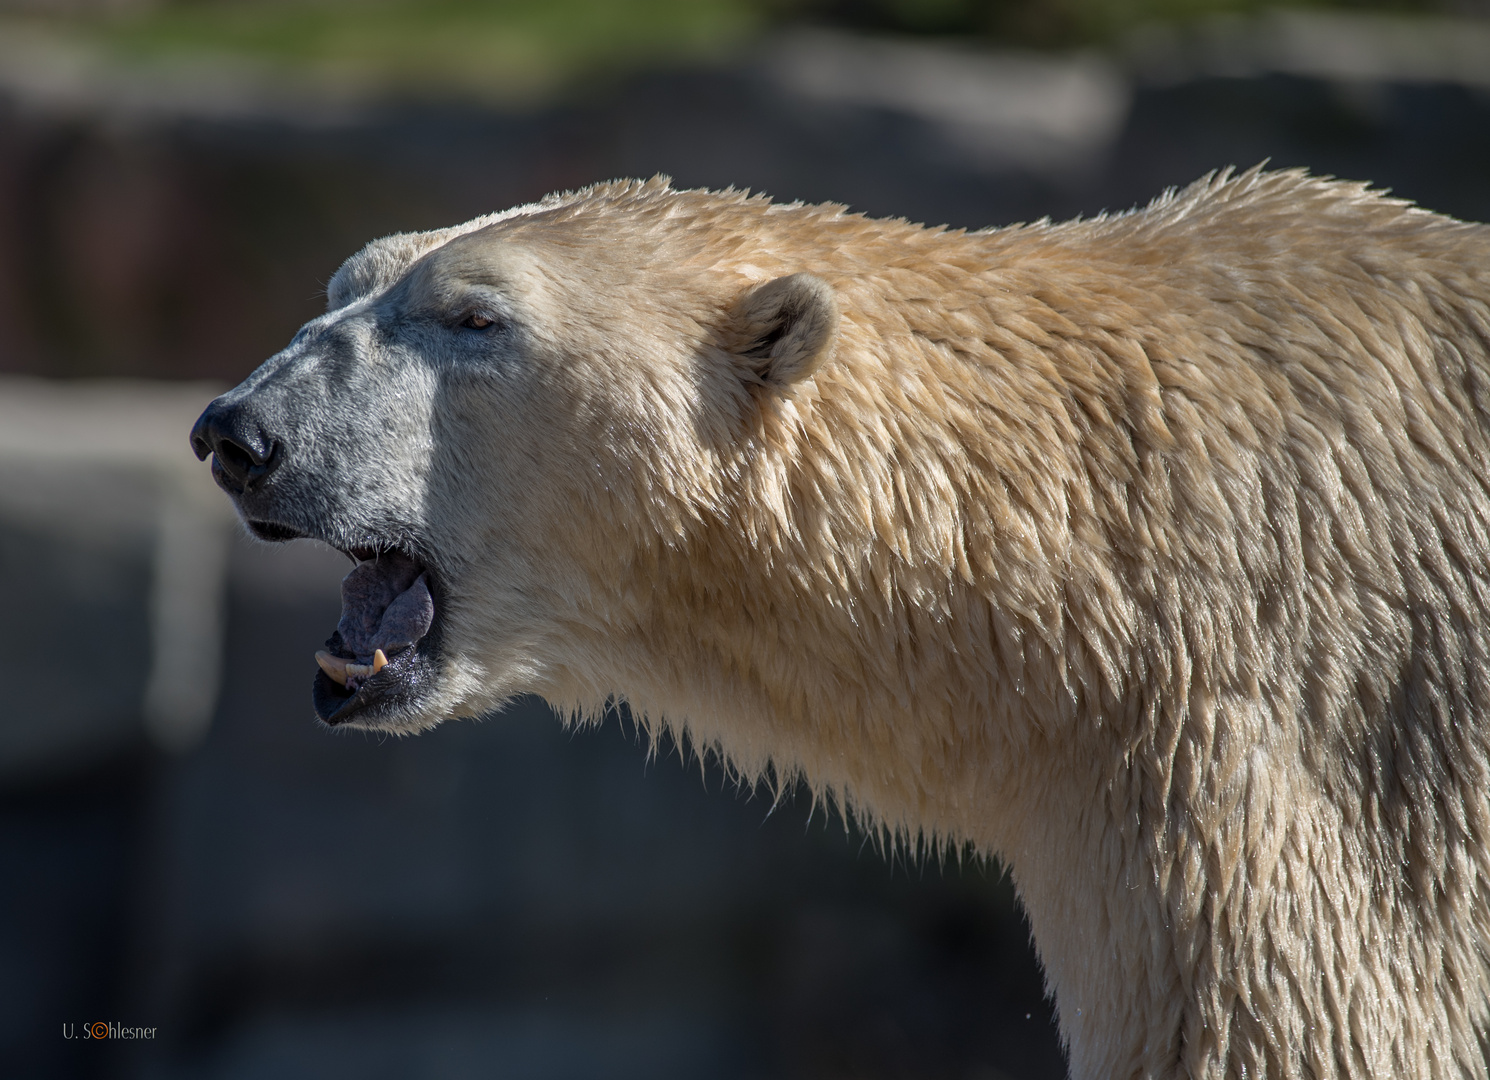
(1165, 593)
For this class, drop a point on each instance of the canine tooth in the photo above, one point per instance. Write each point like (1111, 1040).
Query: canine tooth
(334, 667)
(379, 661)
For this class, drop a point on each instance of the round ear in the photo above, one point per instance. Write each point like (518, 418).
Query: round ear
(782, 331)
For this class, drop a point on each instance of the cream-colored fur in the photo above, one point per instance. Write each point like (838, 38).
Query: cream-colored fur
(1149, 553)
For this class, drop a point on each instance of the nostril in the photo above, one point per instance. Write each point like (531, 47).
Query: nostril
(237, 459)
(243, 451)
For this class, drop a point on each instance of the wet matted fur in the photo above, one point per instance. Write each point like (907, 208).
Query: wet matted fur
(1149, 553)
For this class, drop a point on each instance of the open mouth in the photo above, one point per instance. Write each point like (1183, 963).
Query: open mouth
(387, 609)
(379, 660)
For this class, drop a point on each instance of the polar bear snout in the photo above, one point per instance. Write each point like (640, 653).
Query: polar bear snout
(244, 452)
(306, 449)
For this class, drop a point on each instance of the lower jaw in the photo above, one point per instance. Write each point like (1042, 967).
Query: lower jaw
(394, 697)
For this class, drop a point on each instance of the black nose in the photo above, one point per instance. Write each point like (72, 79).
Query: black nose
(243, 451)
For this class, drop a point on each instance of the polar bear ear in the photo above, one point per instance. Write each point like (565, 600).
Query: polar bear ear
(782, 331)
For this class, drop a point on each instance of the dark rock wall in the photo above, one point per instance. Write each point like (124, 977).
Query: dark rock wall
(186, 248)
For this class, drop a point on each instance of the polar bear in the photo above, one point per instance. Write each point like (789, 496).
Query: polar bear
(1149, 553)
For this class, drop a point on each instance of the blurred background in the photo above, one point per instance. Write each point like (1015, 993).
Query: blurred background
(181, 846)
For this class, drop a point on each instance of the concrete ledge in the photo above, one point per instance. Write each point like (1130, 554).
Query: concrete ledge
(116, 547)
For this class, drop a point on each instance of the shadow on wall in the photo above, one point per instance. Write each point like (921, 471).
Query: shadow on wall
(187, 850)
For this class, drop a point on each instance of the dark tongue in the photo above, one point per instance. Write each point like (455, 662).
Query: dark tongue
(385, 604)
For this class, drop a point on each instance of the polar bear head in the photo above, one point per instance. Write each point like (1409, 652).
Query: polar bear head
(502, 423)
